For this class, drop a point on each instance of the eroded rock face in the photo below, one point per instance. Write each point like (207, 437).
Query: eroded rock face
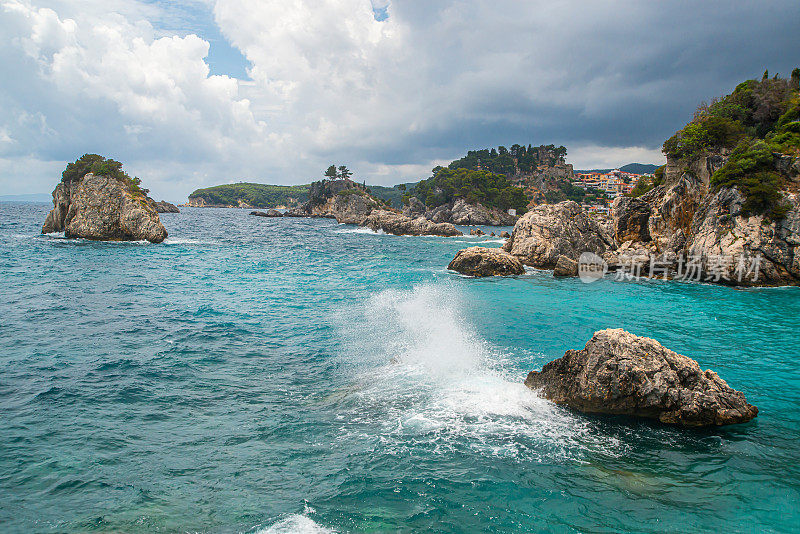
(743, 250)
(620, 373)
(398, 224)
(346, 208)
(481, 261)
(630, 218)
(104, 209)
(552, 230)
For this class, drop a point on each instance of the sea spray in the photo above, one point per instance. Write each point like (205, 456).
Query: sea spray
(423, 371)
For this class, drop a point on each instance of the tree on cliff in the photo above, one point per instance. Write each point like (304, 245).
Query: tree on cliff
(331, 173)
(344, 172)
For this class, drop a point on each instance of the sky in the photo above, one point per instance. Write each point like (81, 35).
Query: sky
(202, 92)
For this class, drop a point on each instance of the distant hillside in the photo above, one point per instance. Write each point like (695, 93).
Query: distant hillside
(254, 195)
(635, 168)
(393, 195)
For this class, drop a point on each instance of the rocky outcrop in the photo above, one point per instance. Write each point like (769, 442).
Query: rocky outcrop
(398, 224)
(105, 209)
(697, 234)
(480, 261)
(476, 231)
(268, 213)
(504, 234)
(347, 207)
(731, 248)
(459, 212)
(565, 267)
(162, 206)
(552, 230)
(297, 212)
(620, 373)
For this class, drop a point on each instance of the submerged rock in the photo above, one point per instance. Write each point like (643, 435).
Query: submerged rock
(397, 224)
(481, 261)
(103, 208)
(268, 213)
(620, 373)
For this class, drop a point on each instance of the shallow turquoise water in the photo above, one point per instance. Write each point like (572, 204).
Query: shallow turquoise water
(296, 375)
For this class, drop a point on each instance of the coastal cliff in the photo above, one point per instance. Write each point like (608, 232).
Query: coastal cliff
(726, 207)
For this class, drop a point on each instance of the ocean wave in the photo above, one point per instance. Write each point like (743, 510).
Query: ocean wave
(427, 377)
(296, 524)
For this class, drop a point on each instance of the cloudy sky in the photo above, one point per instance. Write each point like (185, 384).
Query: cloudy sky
(201, 92)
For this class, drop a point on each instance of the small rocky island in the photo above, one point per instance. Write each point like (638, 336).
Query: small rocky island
(97, 200)
(620, 373)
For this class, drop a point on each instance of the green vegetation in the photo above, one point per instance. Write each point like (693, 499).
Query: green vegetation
(101, 166)
(508, 161)
(758, 119)
(392, 195)
(490, 189)
(645, 184)
(256, 195)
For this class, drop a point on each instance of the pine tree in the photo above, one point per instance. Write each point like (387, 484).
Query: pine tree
(331, 173)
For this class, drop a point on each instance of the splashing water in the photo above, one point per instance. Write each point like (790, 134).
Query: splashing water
(426, 374)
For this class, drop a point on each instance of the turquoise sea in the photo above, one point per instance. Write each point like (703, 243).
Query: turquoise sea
(295, 375)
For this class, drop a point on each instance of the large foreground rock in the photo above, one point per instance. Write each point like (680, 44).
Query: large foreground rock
(481, 261)
(620, 373)
(549, 231)
(398, 224)
(104, 209)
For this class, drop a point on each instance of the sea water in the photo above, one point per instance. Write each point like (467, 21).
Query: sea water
(295, 375)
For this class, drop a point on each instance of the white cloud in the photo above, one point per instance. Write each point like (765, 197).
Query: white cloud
(330, 83)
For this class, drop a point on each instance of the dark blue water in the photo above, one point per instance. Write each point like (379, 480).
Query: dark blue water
(294, 375)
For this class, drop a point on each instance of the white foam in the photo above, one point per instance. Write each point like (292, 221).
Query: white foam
(295, 524)
(187, 241)
(359, 230)
(424, 374)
